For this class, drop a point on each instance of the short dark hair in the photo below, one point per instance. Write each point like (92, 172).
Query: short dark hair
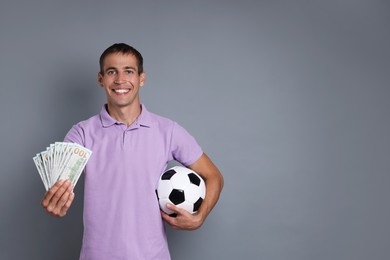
(122, 48)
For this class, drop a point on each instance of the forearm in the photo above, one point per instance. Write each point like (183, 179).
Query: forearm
(214, 187)
(214, 183)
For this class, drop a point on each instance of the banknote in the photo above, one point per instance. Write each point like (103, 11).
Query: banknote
(60, 161)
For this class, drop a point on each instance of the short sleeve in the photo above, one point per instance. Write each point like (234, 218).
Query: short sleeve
(184, 147)
(75, 135)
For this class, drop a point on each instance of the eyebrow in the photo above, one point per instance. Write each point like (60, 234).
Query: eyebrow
(125, 68)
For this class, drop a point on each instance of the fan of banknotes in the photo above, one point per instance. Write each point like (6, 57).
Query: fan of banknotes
(61, 161)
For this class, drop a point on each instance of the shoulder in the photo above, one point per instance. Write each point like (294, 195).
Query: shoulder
(166, 126)
(161, 120)
(155, 120)
(88, 123)
(78, 131)
(93, 120)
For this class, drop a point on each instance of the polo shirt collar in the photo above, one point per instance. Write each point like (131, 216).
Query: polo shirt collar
(144, 119)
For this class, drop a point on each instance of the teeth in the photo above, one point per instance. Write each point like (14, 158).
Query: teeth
(121, 91)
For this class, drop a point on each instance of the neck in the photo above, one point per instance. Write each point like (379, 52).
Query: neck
(125, 114)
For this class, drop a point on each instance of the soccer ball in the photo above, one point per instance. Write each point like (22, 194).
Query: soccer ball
(182, 187)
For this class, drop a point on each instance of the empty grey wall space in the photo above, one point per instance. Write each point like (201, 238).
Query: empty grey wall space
(290, 99)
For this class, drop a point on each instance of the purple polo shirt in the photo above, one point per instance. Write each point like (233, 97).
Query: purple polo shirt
(121, 213)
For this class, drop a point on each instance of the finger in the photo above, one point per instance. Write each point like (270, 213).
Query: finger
(169, 219)
(50, 193)
(67, 205)
(177, 210)
(166, 216)
(64, 198)
(58, 209)
(58, 198)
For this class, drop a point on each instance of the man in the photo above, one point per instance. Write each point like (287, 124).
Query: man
(131, 148)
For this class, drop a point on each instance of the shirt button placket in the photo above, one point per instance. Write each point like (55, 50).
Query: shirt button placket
(124, 136)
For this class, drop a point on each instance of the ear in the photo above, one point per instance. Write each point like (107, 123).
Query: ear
(142, 79)
(100, 79)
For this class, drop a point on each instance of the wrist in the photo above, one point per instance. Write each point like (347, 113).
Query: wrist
(201, 214)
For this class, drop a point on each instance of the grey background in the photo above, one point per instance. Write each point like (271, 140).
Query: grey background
(291, 100)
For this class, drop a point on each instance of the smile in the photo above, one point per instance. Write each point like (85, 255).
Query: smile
(121, 91)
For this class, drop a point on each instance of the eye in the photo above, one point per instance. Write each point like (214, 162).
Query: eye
(111, 72)
(129, 72)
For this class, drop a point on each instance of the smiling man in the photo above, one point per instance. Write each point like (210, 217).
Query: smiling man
(122, 76)
(131, 148)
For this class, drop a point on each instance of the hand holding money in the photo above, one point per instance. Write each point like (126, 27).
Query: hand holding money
(60, 166)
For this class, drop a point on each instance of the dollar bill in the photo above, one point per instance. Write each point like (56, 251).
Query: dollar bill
(61, 161)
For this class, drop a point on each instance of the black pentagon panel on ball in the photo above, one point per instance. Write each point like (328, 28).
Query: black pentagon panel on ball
(168, 174)
(177, 196)
(197, 204)
(194, 179)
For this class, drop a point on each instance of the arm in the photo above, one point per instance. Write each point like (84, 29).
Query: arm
(214, 184)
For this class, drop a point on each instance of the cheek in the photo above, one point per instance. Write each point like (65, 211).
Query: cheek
(135, 81)
(107, 82)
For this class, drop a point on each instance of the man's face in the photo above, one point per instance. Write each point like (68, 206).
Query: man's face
(121, 80)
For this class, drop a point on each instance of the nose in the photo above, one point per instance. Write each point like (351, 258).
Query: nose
(120, 78)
